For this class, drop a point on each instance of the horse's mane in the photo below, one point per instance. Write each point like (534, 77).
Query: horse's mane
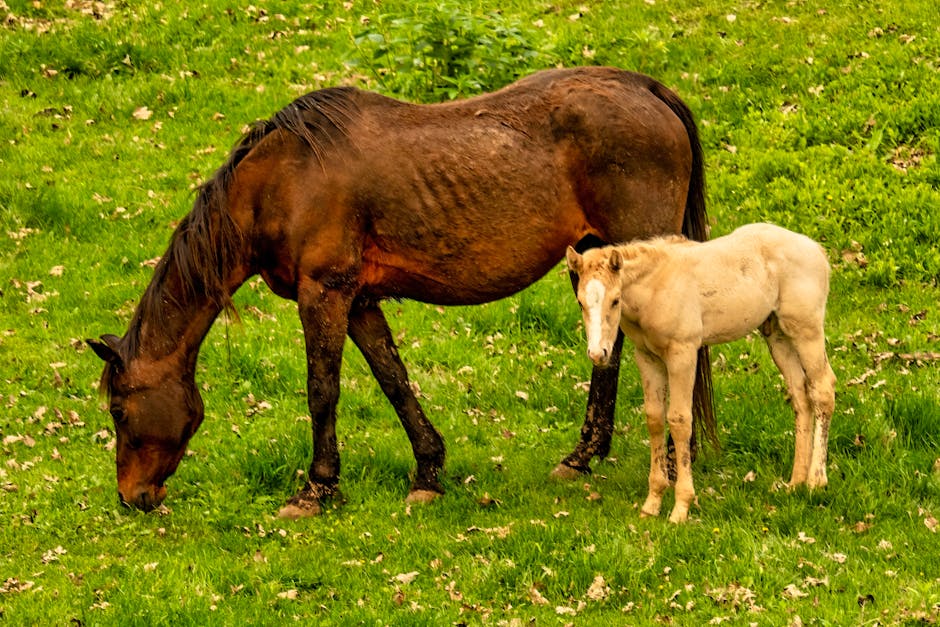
(207, 243)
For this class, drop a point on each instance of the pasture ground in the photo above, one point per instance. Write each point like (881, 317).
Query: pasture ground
(823, 120)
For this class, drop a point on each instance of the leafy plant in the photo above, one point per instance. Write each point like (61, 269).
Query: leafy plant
(437, 50)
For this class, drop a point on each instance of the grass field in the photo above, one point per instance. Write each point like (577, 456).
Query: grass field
(823, 120)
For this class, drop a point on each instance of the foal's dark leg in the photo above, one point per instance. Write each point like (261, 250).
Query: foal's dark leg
(369, 330)
(323, 314)
(598, 424)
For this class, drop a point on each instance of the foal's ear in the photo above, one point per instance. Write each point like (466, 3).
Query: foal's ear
(108, 349)
(615, 261)
(574, 260)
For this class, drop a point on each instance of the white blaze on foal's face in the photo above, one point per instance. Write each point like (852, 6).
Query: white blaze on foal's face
(594, 308)
(600, 304)
(599, 297)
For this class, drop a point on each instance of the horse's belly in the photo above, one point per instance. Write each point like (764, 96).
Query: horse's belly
(459, 279)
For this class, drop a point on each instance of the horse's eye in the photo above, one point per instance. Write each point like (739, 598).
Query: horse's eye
(117, 414)
(615, 303)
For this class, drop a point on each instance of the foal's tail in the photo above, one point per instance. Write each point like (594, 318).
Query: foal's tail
(695, 226)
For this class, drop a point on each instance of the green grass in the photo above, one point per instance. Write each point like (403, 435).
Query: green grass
(821, 120)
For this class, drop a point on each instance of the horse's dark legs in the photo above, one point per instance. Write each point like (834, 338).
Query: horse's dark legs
(369, 330)
(323, 314)
(598, 424)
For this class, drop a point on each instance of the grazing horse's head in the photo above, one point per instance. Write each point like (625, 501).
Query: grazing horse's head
(156, 409)
(599, 288)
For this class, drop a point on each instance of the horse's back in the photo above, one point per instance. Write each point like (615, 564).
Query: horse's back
(466, 201)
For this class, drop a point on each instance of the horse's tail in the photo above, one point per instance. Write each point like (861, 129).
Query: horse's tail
(695, 226)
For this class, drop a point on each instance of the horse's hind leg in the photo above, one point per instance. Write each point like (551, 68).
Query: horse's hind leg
(323, 314)
(788, 361)
(598, 424)
(369, 330)
(598, 427)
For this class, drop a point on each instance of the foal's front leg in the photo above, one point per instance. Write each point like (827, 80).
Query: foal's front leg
(680, 365)
(323, 313)
(653, 378)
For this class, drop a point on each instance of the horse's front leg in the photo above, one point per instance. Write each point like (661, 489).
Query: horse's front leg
(680, 365)
(653, 379)
(598, 424)
(323, 314)
(369, 330)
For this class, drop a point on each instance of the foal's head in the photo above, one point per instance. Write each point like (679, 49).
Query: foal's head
(156, 408)
(599, 287)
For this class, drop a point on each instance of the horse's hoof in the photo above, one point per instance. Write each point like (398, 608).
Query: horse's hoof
(292, 511)
(421, 496)
(564, 472)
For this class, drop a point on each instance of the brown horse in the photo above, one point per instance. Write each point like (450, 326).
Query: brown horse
(345, 198)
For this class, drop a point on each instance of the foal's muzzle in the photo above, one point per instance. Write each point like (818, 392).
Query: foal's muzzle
(600, 356)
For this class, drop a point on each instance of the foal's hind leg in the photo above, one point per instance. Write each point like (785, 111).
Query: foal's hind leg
(820, 387)
(788, 361)
(369, 330)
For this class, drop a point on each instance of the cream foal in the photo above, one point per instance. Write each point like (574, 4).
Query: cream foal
(671, 295)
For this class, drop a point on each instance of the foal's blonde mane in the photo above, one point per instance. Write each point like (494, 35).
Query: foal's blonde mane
(639, 256)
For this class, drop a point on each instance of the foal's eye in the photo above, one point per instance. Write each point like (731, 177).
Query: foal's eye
(615, 303)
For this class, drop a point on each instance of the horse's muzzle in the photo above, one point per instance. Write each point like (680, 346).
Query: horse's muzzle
(147, 499)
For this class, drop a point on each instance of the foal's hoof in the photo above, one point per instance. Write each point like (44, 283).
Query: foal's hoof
(293, 511)
(421, 496)
(564, 472)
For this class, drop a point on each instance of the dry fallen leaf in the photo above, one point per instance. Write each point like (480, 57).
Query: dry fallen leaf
(599, 590)
(793, 592)
(838, 558)
(142, 113)
(536, 598)
(406, 578)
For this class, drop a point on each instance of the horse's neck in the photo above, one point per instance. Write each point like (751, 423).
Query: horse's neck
(171, 323)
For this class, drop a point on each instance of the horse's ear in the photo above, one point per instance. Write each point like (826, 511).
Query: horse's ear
(108, 349)
(574, 260)
(615, 261)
